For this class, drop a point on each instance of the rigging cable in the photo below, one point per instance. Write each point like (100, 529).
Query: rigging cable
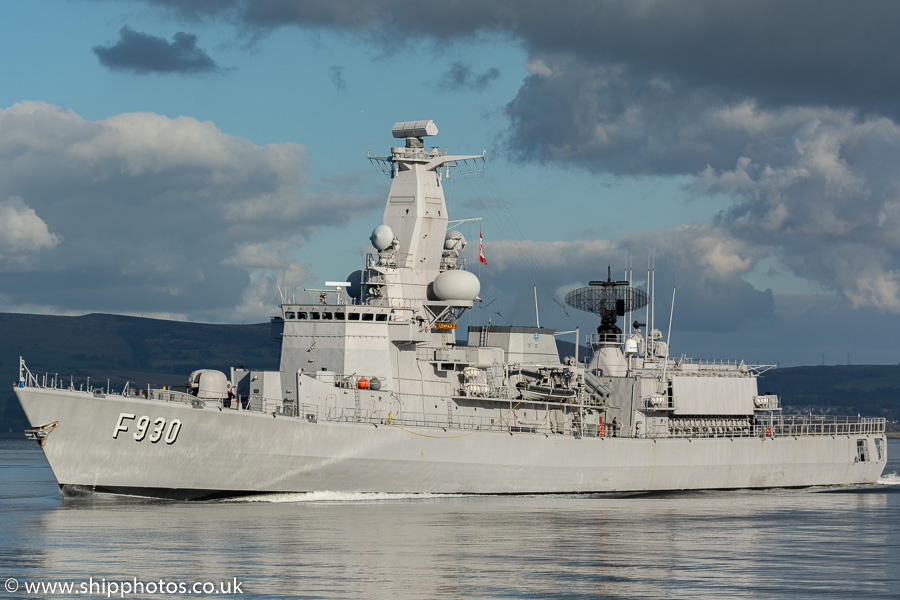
(488, 192)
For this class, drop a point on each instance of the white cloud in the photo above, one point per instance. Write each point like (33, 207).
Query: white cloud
(821, 198)
(260, 256)
(538, 67)
(152, 214)
(724, 255)
(877, 288)
(23, 233)
(816, 188)
(257, 299)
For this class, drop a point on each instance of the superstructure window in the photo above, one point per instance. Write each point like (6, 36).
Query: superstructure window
(353, 316)
(289, 315)
(381, 317)
(327, 316)
(315, 316)
(368, 317)
(339, 316)
(302, 315)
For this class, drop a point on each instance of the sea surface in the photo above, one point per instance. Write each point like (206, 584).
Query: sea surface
(784, 543)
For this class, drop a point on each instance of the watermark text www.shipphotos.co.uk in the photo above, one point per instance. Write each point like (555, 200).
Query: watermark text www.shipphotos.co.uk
(123, 589)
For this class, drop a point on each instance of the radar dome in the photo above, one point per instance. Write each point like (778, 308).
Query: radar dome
(381, 237)
(456, 285)
(355, 280)
(452, 239)
(631, 346)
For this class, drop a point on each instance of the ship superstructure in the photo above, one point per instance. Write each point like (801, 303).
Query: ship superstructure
(375, 394)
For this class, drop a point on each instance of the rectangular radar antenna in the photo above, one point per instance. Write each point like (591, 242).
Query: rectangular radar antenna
(414, 129)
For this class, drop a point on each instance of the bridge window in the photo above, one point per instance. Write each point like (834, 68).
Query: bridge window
(326, 316)
(289, 315)
(368, 317)
(302, 315)
(315, 316)
(353, 316)
(381, 317)
(339, 316)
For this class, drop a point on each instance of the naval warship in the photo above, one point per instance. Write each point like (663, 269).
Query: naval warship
(376, 393)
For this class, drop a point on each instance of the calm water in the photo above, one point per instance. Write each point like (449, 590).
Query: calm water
(812, 543)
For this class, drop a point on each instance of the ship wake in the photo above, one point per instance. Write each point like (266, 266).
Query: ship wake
(889, 479)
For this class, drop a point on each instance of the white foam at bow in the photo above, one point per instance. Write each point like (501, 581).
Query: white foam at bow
(889, 479)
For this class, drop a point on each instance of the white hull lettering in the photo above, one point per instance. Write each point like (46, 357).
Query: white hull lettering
(158, 430)
(120, 426)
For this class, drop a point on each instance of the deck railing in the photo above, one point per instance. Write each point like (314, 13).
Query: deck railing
(782, 426)
(503, 418)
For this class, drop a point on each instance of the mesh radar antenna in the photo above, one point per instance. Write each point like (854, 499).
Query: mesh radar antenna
(609, 299)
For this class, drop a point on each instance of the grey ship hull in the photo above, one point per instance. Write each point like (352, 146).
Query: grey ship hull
(228, 452)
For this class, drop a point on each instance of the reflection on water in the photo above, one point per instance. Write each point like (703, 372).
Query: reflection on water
(823, 543)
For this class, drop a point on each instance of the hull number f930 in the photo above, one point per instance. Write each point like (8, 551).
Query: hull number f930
(147, 429)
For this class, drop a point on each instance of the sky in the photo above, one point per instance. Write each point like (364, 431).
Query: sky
(191, 160)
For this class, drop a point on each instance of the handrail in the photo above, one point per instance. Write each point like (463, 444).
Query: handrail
(774, 426)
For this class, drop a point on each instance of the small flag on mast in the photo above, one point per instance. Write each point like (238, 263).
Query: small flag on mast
(481, 257)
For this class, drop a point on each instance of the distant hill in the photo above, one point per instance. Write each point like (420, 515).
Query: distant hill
(868, 390)
(122, 349)
(160, 352)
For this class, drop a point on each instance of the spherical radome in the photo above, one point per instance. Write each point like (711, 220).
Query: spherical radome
(381, 237)
(452, 239)
(457, 285)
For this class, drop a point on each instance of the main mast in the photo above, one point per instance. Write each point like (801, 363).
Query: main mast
(409, 294)
(412, 242)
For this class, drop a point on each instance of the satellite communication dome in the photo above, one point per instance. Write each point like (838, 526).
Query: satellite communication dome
(381, 237)
(631, 346)
(457, 285)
